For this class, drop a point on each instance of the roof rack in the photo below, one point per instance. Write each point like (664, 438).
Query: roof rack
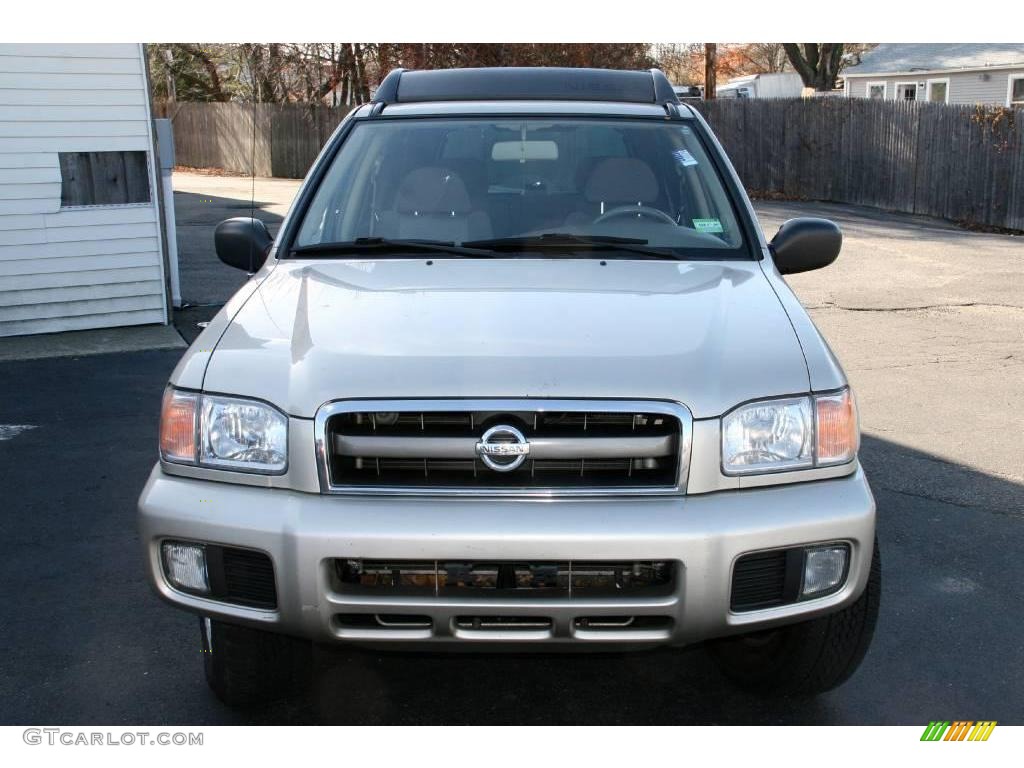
(403, 86)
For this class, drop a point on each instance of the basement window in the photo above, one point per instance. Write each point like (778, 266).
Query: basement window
(103, 178)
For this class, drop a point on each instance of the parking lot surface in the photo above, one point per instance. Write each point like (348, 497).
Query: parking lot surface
(928, 321)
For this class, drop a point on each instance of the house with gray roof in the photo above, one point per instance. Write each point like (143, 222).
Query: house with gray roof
(949, 73)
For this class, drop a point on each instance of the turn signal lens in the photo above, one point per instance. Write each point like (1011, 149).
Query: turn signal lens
(178, 426)
(838, 435)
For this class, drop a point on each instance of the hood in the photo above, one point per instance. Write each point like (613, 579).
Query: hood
(709, 335)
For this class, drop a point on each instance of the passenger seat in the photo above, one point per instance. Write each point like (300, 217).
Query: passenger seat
(432, 204)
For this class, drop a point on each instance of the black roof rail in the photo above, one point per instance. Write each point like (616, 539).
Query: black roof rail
(387, 91)
(403, 86)
(664, 93)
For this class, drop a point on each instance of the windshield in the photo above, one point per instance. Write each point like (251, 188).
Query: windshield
(507, 182)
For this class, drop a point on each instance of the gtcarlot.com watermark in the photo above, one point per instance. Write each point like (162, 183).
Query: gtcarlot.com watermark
(72, 738)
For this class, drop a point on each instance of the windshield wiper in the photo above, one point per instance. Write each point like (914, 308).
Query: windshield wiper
(565, 240)
(388, 245)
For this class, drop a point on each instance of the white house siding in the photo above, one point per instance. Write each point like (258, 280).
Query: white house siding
(79, 267)
(975, 87)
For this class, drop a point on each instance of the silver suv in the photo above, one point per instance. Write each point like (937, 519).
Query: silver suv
(519, 371)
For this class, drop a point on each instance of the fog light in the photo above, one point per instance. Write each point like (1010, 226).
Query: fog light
(824, 569)
(185, 566)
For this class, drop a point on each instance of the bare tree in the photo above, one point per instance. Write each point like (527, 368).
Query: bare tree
(188, 71)
(682, 63)
(764, 57)
(817, 63)
(346, 73)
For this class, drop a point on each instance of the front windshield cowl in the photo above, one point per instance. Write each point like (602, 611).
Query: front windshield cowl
(641, 187)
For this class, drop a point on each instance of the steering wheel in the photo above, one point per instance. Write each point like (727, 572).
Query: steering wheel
(635, 210)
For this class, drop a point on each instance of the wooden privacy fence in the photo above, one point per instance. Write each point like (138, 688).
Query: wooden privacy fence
(962, 163)
(284, 141)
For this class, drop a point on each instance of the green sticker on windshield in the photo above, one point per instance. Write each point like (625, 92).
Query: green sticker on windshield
(711, 226)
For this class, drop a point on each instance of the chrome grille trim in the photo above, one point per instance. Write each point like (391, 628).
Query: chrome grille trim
(540, 447)
(647, 445)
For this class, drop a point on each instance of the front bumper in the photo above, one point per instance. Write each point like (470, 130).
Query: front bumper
(704, 534)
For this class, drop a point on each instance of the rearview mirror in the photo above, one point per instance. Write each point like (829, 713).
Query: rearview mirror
(242, 243)
(522, 151)
(801, 245)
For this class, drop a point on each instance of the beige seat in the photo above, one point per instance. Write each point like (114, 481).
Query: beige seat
(432, 203)
(613, 182)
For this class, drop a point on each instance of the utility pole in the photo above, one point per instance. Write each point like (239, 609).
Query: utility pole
(710, 65)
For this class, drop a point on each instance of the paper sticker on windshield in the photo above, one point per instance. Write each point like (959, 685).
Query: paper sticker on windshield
(710, 226)
(684, 158)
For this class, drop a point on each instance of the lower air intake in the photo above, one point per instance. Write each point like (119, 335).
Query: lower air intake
(241, 576)
(567, 578)
(764, 580)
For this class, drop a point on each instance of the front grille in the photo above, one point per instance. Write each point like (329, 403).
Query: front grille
(570, 446)
(498, 578)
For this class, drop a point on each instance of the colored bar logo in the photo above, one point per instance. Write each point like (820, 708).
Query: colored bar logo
(960, 730)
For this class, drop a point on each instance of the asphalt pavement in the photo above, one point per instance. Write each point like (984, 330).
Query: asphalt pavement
(929, 323)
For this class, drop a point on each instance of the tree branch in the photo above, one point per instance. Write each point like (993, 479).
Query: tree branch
(216, 91)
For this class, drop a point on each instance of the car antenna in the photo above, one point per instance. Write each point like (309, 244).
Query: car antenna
(252, 166)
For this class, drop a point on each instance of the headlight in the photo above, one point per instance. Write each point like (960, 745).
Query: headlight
(790, 433)
(223, 432)
(243, 434)
(769, 435)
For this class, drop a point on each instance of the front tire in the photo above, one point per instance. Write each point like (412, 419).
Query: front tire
(248, 668)
(808, 658)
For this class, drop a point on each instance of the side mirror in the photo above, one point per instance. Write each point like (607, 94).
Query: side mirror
(801, 245)
(242, 243)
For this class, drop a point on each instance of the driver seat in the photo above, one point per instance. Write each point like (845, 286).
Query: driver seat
(614, 182)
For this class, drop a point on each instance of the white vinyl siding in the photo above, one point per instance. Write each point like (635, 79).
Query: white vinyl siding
(86, 266)
(71, 97)
(987, 86)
